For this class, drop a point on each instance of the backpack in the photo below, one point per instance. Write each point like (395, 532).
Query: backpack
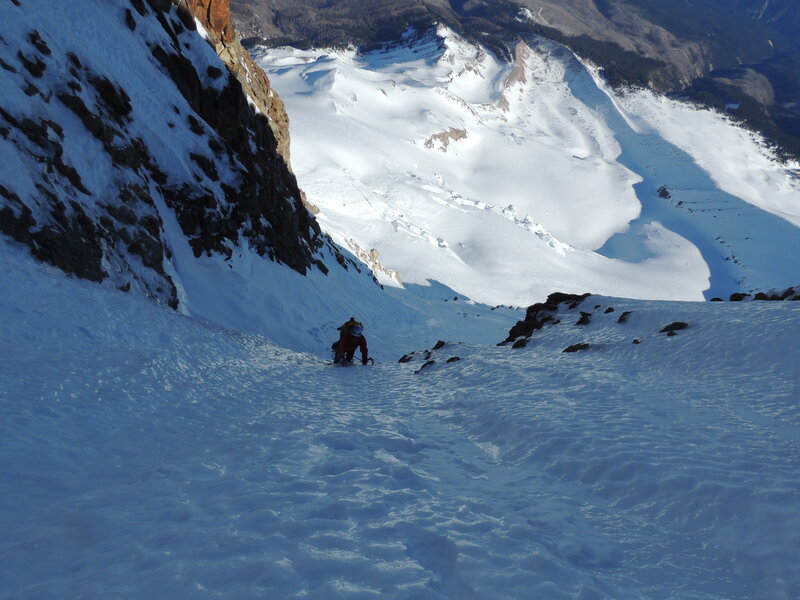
(345, 328)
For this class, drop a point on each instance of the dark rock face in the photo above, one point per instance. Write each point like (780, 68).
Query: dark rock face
(232, 186)
(215, 15)
(268, 198)
(66, 223)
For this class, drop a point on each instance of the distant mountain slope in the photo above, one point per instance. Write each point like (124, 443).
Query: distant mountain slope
(510, 180)
(783, 15)
(124, 136)
(669, 46)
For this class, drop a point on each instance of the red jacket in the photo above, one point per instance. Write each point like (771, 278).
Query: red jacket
(348, 343)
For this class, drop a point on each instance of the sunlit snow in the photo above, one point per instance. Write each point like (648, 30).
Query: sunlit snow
(507, 182)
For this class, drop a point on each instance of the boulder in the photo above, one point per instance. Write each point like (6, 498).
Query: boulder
(673, 327)
(576, 347)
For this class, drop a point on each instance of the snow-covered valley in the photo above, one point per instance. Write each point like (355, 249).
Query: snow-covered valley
(510, 181)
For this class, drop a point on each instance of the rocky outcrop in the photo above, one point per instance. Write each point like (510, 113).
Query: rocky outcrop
(215, 18)
(540, 314)
(371, 258)
(791, 293)
(119, 158)
(441, 141)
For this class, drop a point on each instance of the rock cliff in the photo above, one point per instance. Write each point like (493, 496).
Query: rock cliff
(215, 17)
(119, 147)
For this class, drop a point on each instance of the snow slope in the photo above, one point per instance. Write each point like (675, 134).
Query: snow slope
(150, 454)
(145, 454)
(507, 182)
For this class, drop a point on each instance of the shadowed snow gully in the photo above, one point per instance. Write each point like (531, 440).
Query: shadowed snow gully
(146, 454)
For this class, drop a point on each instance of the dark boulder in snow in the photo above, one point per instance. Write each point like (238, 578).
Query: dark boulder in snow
(576, 347)
(542, 313)
(673, 327)
(425, 365)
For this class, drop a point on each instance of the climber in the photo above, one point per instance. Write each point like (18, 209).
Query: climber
(351, 336)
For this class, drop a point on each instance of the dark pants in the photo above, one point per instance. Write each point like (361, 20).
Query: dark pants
(341, 357)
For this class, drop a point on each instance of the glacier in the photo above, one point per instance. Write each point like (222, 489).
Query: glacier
(511, 181)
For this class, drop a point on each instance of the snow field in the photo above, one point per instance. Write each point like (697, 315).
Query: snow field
(721, 150)
(418, 150)
(149, 455)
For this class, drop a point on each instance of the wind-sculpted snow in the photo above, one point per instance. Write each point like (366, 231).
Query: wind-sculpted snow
(510, 181)
(147, 455)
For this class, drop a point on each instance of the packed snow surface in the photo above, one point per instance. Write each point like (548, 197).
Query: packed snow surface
(145, 454)
(509, 181)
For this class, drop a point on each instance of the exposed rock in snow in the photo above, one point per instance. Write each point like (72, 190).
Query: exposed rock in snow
(118, 146)
(215, 17)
